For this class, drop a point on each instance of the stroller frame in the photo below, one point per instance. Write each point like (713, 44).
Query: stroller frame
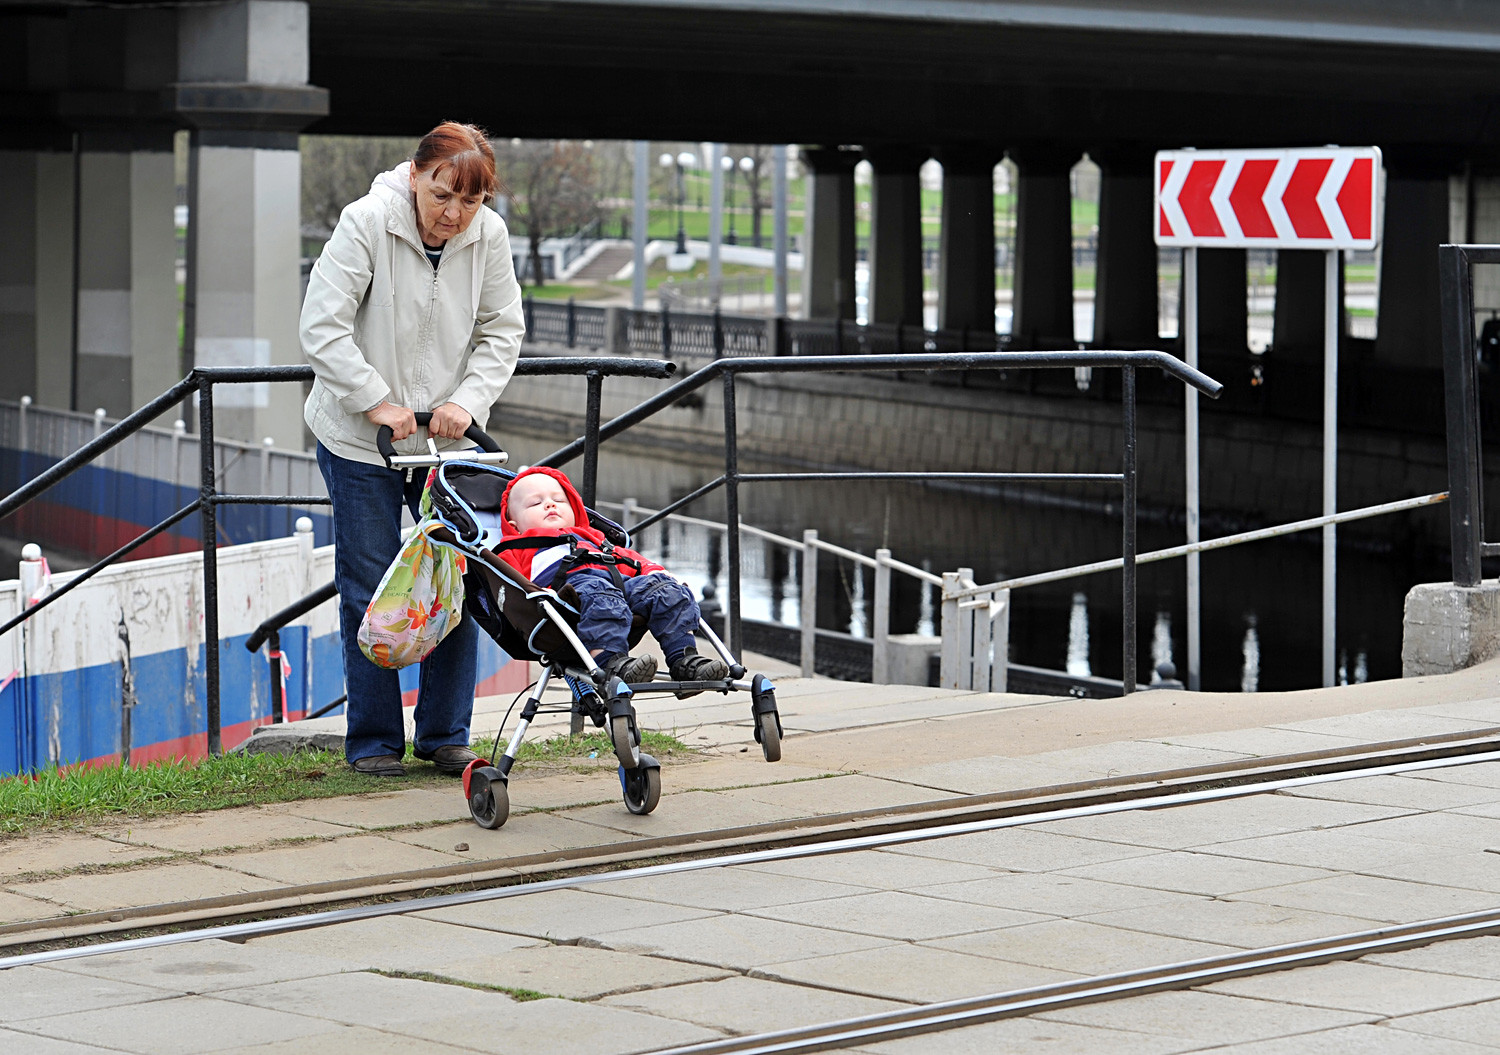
(531, 622)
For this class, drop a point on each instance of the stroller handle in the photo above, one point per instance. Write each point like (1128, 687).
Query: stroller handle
(387, 450)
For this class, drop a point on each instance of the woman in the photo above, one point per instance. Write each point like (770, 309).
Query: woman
(413, 306)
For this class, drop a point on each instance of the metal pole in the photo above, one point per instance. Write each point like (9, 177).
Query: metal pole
(779, 237)
(208, 517)
(1190, 448)
(809, 611)
(278, 705)
(1331, 313)
(642, 191)
(880, 666)
(1128, 667)
(1460, 389)
(732, 627)
(591, 437)
(715, 223)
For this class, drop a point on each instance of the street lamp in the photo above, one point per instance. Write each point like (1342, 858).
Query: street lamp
(745, 165)
(668, 161)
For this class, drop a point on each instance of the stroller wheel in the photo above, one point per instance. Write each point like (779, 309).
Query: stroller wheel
(489, 801)
(768, 732)
(642, 785)
(626, 744)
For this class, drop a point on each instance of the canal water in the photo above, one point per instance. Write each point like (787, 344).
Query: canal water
(1262, 604)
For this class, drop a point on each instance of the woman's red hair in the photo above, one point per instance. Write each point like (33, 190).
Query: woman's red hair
(465, 151)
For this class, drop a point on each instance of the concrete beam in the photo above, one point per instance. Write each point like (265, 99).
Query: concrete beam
(896, 236)
(828, 269)
(1043, 297)
(1125, 294)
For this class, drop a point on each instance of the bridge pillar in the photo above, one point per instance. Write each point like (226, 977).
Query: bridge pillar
(1125, 294)
(243, 88)
(896, 236)
(1416, 223)
(966, 261)
(1043, 298)
(36, 274)
(1223, 320)
(1297, 332)
(828, 255)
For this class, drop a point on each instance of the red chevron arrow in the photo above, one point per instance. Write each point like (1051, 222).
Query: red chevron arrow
(1246, 197)
(1355, 197)
(1301, 198)
(1202, 218)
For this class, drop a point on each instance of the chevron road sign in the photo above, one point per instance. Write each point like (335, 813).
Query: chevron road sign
(1325, 198)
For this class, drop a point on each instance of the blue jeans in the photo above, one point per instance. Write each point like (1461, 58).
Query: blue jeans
(605, 612)
(367, 501)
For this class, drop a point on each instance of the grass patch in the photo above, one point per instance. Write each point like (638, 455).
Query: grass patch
(54, 797)
(518, 995)
(589, 751)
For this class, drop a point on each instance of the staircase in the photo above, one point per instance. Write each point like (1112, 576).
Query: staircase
(603, 267)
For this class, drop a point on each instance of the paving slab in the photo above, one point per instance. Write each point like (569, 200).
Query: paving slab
(208, 966)
(523, 834)
(1376, 897)
(247, 826)
(878, 869)
(739, 771)
(1052, 894)
(740, 1005)
(1207, 1017)
(29, 854)
(137, 887)
(1446, 828)
(1475, 710)
(39, 992)
(1247, 924)
(731, 889)
(1189, 872)
(1472, 957)
(682, 813)
(1379, 1039)
(1474, 1024)
(737, 943)
(1471, 871)
(564, 915)
(363, 998)
(185, 1025)
(912, 973)
(1208, 823)
(979, 776)
(848, 793)
(564, 1027)
(1481, 774)
(17, 908)
(397, 943)
(387, 809)
(1022, 850)
(1408, 792)
(899, 915)
(32, 1044)
(1034, 1036)
(1339, 850)
(1377, 726)
(1264, 742)
(573, 971)
(1081, 947)
(1345, 986)
(855, 717)
(359, 1040)
(1130, 757)
(349, 858)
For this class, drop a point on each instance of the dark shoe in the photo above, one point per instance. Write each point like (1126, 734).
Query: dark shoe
(451, 758)
(692, 667)
(379, 766)
(632, 670)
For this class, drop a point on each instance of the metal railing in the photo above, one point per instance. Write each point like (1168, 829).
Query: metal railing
(1462, 388)
(202, 381)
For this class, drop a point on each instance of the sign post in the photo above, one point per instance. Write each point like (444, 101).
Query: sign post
(1328, 198)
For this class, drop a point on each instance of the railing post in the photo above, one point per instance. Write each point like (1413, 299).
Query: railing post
(21, 447)
(1128, 577)
(572, 323)
(208, 518)
(880, 664)
(1461, 389)
(773, 335)
(179, 430)
(809, 611)
(265, 484)
(273, 652)
(732, 626)
(666, 331)
(591, 436)
(528, 307)
(718, 333)
(956, 668)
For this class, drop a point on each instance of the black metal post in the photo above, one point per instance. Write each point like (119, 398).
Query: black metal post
(208, 512)
(1128, 621)
(718, 333)
(666, 331)
(1461, 389)
(528, 306)
(572, 322)
(591, 436)
(273, 643)
(732, 624)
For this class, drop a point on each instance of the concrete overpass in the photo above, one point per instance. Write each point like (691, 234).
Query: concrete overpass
(90, 94)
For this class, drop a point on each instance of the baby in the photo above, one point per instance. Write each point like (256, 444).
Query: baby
(613, 583)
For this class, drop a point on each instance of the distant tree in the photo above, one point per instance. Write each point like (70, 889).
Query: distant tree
(755, 181)
(337, 170)
(553, 187)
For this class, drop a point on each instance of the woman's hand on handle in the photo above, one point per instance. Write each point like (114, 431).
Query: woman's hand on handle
(450, 421)
(400, 420)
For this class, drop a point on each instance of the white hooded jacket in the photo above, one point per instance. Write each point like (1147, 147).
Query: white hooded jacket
(379, 323)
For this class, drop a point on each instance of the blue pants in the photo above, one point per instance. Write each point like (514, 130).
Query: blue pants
(605, 611)
(367, 501)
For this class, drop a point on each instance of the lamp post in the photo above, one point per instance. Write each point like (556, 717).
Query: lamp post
(681, 161)
(727, 164)
(747, 164)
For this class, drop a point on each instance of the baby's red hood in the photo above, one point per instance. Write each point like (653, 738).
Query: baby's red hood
(580, 511)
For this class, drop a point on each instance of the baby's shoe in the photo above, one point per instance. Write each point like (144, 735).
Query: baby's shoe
(631, 669)
(692, 667)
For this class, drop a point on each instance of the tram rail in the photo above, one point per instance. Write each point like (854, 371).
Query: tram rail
(302, 907)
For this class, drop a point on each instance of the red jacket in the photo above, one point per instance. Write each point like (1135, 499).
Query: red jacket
(552, 545)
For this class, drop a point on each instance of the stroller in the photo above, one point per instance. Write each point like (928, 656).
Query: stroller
(531, 622)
